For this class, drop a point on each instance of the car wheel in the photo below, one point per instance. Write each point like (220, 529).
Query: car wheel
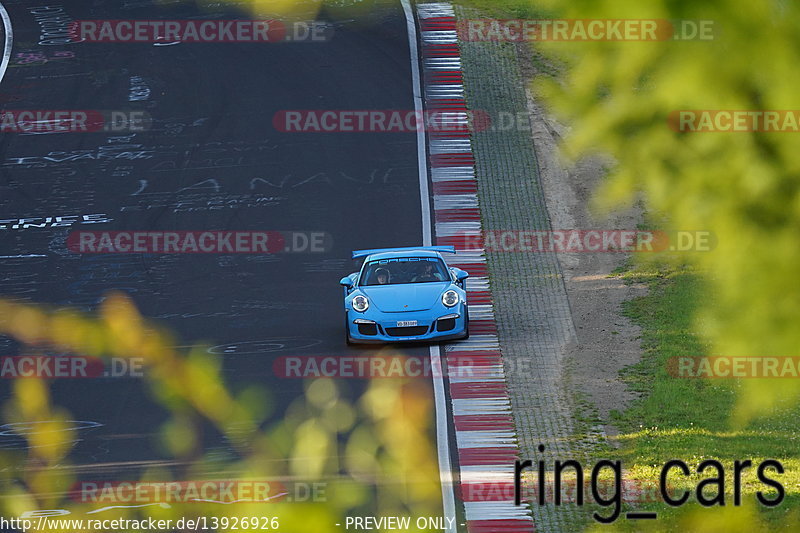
(466, 326)
(347, 338)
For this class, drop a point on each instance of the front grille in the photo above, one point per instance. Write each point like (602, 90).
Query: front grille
(445, 325)
(368, 329)
(407, 332)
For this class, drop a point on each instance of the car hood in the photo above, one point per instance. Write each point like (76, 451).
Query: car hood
(405, 297)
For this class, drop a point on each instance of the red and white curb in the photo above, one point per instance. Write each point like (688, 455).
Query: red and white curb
(485, 435)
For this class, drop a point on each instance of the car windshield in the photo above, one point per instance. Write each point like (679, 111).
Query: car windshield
(403, 270)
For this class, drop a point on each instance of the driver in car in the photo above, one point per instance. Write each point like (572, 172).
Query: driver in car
(427, 273)
(382, 276)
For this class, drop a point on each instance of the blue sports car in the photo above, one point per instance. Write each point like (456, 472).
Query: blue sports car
(403, 295)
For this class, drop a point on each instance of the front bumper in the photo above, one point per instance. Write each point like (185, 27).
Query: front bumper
(382, 327)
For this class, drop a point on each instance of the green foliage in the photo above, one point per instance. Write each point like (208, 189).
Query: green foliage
(617, 98)
(689, 418)
(742, 186)
(373, 456)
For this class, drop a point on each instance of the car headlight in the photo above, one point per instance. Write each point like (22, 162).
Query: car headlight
(450, 298)
(360, 303)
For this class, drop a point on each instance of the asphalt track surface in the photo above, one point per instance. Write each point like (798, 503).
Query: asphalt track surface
(212, 160)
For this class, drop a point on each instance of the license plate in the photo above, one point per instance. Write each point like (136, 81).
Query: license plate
(406, 323)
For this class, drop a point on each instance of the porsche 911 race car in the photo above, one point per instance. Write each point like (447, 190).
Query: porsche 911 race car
(404, 295)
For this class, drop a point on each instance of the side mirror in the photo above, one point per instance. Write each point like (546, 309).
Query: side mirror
(461, 275)
(346, 282)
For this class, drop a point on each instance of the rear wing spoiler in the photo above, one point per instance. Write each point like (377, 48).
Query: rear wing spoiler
(441, 249)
